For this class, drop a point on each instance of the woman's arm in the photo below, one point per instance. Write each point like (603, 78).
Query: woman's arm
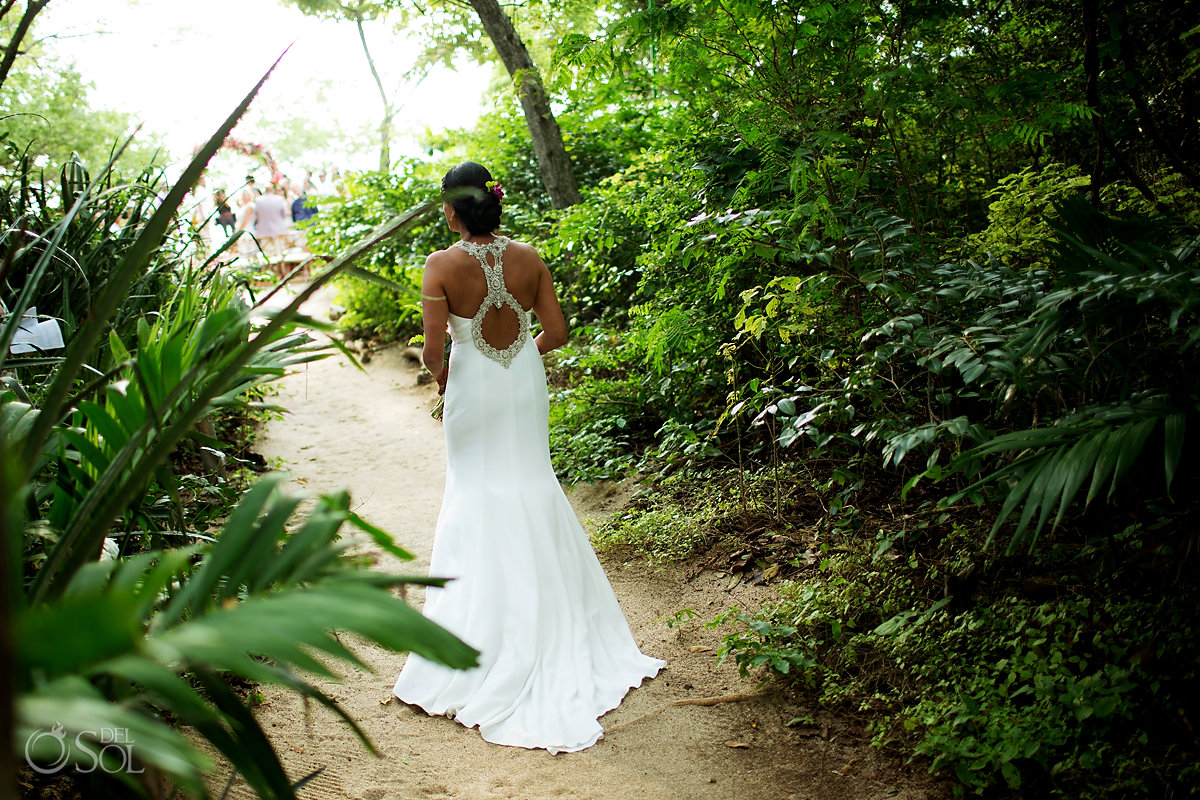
(549, 313)
(435, 313)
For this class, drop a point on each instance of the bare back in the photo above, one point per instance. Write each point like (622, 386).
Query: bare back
(460, 278)
(466, 284)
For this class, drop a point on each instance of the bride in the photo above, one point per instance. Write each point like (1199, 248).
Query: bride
(528, 591)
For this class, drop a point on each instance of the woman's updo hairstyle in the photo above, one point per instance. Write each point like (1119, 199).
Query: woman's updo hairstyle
(465, 188)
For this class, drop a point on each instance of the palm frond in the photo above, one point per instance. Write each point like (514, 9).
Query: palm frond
(261, 603)
(1097, 448)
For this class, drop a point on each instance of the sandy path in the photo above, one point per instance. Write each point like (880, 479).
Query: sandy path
(370, 432)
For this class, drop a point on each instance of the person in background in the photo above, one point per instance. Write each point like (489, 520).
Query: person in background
(272, 219)
(301, 209)
(225, 215)
(287, 189)
(248, 194)
(201, 216)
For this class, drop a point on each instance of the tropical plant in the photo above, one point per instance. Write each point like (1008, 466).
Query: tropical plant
(167, 630)
(1101, 347)
(152, 640)
(370, 199)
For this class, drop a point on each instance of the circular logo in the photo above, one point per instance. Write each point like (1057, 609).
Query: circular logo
(58, 734)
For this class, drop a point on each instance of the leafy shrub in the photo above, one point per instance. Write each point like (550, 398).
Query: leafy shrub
(1078, 695)
(692, 512)
(599, 250)
(613, 412)
(1021, 213)
(377, 309)
(590, 451)
(120, 209)
(663, 536)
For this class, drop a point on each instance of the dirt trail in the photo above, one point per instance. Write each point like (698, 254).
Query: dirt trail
(370, 432)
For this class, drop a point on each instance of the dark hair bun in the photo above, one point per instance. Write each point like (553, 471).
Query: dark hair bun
(465, 188)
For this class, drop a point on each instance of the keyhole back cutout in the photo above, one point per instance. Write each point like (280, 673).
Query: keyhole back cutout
(500, 326)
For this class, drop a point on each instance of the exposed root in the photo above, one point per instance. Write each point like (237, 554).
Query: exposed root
(696, 701)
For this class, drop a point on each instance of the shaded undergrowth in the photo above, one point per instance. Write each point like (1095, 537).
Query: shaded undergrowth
(1060, 673)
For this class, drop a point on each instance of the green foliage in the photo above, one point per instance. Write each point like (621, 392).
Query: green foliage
(369, 200)
(687, 513)
(661, 535)
(615, 415)
(91, 245)
(1042, 696)
(590, 450)
(764, 643)
(1097, 351)
(163, 627)
(598, 249)
(1098, 447)
(48, 115)
(1020, 216)
(46, 110)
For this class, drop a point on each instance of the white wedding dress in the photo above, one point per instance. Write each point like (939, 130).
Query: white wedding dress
(528, 591)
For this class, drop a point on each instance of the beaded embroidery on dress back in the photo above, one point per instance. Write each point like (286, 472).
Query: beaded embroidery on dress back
(497, 296)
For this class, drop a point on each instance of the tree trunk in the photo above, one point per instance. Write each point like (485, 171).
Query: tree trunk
(385, 143)
(1134, 82)
(555, 165)
(385, 127)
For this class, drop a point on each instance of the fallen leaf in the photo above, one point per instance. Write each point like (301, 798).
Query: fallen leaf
(770, 572)
(739, 745)
(734, 580)
(385, 702)
(699, 648)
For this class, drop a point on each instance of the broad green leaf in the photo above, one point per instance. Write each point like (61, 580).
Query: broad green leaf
(1174, 432)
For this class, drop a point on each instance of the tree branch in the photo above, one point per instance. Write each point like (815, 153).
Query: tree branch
(1128, 49)
(32, 9)
(1091, 67)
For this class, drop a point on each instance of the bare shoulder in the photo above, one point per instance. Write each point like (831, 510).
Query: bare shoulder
(440, 260)
(524, 251)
